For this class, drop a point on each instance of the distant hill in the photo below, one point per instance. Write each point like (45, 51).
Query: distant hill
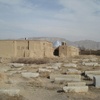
(52, 39)
(87, 44)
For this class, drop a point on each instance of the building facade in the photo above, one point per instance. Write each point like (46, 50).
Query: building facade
(26, 48)
(66, 51)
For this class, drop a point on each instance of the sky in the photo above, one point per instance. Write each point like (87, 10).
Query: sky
(70, 19)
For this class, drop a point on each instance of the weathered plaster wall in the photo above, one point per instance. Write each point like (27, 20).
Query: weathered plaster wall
(7, 48)
(73, 51)
(36, 48)
(68, 51)
(48, 48)
(26, 48)
(41, 49)
(21, 47)
(63, 51)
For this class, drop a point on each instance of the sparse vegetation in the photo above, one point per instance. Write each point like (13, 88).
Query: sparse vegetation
(31, 61)
(7, 97)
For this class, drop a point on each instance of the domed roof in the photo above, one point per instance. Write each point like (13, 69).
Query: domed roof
(56, 44)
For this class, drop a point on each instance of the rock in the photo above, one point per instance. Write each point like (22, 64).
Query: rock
(66, 79)
(92, 72)
(75, 89)
(96, 81)
(16, 72)
(4, 69)
(16, 65)
(73, 71)
(30, 75)
(58, 64)
(90, 64)
(52, 67)
(70, 65)
(75, 61)
(85, 60)
(94, 59)
(53, 76)
(76, 83)
(90, 76)
(11, 92)
(44, 70)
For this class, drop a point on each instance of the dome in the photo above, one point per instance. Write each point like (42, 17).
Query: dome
(56, 44)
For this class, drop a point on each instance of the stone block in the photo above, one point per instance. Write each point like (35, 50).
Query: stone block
(44, 70)
(90, 64)
(67, 79)
(73, 71)
(96, 81)
(58, 64)
(53, 76)
(11, 92)
(94, 59)
(90, 76)
(76, 84)
(76, 89)
(85, 60)
(75, 61)
(52, 67)
(16, 65)
(30, 75)
(70, 65)
(92, 72)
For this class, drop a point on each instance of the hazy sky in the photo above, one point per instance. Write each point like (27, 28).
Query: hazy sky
(70, 19)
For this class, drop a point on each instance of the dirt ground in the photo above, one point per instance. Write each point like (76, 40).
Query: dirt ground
(42, 87)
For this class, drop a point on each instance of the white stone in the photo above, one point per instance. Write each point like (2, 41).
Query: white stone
(85, 60)
(67, 79)
(75, 89)
(11, 92)
(94, 59)
(76, 83)
(52, 67)
(29, 75)
(55, 66)
(73, 71)
(53, 76)
(97, 81)
(74, 61)
(70, 65)
(15, 72)
(58, 64)
(16, 65)
(90, 76)
(44, 70)
(92, 72)
(4, 69)
(90, 64)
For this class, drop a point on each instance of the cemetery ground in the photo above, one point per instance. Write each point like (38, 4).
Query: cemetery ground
(75, 78)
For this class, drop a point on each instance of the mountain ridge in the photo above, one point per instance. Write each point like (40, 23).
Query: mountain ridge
(87, 44)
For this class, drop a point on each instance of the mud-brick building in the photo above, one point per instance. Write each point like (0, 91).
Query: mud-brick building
(66, 51)
(26, 48)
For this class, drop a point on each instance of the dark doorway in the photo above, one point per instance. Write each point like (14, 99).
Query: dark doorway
(56, 52)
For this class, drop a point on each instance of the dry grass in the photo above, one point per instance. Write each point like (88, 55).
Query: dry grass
(31, 61)
(7, 97)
